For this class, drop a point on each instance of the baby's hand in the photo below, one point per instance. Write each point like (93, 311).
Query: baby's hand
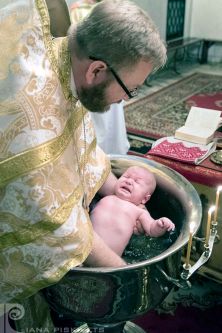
(165, 224)
(160, 226)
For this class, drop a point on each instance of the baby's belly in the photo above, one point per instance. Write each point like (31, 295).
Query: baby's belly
(120, 222)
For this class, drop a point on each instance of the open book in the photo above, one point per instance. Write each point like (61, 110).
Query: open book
(200, 126)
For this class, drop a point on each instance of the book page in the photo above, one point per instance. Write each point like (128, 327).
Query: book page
(203, 118)
(194, 132)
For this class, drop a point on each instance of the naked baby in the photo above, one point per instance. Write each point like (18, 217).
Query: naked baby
(116, 217)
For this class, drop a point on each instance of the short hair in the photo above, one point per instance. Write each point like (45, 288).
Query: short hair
(120, 33)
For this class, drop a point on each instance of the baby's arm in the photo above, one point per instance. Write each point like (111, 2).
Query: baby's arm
(143, 223)
(151, 227)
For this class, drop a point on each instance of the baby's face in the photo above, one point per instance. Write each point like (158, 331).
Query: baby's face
(135, 185)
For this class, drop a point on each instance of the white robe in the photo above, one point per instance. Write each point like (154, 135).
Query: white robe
(111, 130)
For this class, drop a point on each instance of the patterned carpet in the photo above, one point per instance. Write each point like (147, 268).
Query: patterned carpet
(162, 112)
(184, 320)
(194, 310)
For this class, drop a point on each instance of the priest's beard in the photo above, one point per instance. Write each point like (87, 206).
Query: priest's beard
(93, 98)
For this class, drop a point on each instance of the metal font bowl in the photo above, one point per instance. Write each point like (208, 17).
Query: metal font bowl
(112, 295)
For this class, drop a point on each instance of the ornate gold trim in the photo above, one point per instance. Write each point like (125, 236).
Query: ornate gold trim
(85, 157)
(103, 177)
(61, 271)
(39, 156)
(64, 61)
(57, 50)
(45, 20)
(29, 233)
(100, 183)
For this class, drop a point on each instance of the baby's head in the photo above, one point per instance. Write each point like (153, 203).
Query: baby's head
(136, 185)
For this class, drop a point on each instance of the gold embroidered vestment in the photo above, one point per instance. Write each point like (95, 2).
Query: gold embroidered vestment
(44, 230)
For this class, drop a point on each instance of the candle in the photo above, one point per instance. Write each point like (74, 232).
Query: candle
(210, 211)
(187, 262)
(219, 189)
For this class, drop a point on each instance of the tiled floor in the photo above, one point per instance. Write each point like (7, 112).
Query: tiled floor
(167, 76)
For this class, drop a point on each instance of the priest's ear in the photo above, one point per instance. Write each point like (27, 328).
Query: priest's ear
(96, 72)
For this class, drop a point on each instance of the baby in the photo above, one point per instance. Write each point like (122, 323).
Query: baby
(115, 216)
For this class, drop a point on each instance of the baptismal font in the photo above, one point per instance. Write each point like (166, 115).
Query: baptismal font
(105, 300)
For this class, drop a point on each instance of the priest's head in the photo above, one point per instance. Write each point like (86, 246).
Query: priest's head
(113, 50)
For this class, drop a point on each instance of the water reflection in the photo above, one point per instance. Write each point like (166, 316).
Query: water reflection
(144, 247)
